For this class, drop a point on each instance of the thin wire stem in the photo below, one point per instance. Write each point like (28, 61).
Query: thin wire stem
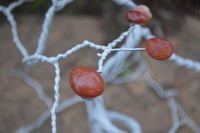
(128, 49)
(56, 96)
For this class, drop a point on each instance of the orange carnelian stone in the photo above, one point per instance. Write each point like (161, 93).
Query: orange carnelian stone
(145, 10)
(86, 82)
(159, 49)
(136, 17)
(140, 15)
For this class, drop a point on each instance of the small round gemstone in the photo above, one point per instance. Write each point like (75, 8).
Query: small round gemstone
(159, 49)
(86, 82)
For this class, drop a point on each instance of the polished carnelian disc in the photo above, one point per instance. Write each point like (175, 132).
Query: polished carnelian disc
(136, 17)
(86, 82)
(159, 49)
(145, 10)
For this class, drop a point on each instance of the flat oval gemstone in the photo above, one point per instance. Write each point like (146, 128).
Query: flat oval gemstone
(159, 49)
(145, 10)
(136, 17)
(86, 82)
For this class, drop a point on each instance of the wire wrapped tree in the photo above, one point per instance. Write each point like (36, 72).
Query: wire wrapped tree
(108, 71)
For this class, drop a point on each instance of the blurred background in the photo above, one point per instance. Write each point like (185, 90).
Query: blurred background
(99, 21)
